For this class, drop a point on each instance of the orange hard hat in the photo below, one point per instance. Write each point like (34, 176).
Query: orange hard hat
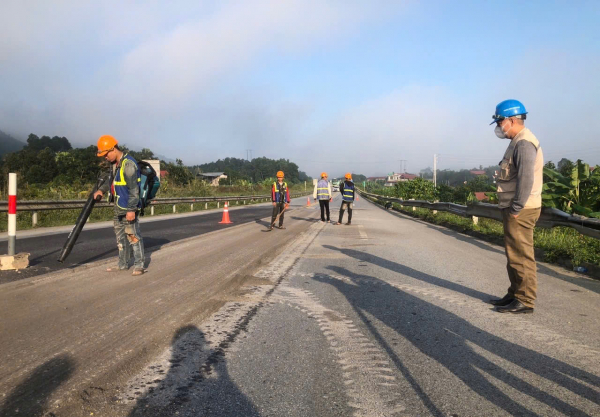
(323, 174)
(348, 176)
(105, 144)
(280, 174)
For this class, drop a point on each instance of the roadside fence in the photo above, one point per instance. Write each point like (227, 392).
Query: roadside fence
(550, 217)
(40, 205)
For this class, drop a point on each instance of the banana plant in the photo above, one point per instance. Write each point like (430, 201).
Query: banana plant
(578, 193)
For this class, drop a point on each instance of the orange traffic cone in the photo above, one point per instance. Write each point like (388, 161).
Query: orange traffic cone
(308, 201)
(226, 214)
(357, 197)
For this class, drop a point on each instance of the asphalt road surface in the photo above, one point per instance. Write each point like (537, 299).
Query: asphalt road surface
(99, 243)
(387, 317)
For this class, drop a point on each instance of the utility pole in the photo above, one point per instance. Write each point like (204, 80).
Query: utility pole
(403, 166)
(435, 157)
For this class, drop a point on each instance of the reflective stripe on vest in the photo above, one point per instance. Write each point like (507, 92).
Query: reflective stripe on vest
(348, 192)
(121, 189)
(323, 190)
(280, 193)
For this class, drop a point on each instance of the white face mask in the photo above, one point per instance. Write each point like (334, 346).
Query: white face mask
(499, 132)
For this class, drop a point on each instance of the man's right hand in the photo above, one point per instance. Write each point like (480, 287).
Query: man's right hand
(274, 204)
(98, 193)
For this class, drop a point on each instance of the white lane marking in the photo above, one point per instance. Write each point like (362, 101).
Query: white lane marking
(361, 232)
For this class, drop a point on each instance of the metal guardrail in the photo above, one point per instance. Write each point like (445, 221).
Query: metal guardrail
(550, 217)
(40, 205)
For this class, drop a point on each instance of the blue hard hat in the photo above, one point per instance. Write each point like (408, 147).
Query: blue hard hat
(508, 108)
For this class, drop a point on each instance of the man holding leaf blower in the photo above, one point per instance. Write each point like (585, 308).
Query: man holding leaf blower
(124, 187)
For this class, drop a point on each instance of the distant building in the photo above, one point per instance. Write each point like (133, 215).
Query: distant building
(374, 179)
(475, 172)
(394, 178)
(212, 177)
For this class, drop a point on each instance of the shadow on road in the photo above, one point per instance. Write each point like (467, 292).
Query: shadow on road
(262, 222)
(306, 219)
(413, 273)
(467, 239)
(197, 383)
(442, 229)
(587, 283)
(457, 345)
(30, 398)
(38, 259)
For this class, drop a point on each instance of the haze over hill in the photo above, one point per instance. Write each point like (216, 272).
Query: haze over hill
(9, 144)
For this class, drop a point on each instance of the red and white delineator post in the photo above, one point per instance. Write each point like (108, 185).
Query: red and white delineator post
(13, 260)
(12, 214)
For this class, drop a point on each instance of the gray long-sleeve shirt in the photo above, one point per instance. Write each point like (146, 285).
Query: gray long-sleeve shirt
(524, 160)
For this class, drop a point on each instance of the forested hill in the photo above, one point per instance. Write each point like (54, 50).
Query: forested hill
(9, 144)
(257, 170)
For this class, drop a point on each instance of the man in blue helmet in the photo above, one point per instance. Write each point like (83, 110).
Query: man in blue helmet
(520, 198)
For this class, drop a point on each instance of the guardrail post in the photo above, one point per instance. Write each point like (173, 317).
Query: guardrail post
(152, 210)
(174, 208)
(218, 204)
(34, 219)
(475, 219)
(192, 207)
(205, 206)
(414, 208)
(12, 213)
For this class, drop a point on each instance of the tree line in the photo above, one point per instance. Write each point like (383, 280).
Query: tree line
(53, 161)
(258, 170)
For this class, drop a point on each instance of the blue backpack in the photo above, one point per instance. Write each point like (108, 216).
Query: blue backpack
(149, 184)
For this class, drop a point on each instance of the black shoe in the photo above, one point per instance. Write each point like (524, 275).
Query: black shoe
(516, 307)
(504, 301)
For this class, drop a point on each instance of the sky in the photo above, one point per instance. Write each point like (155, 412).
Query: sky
(333, 85)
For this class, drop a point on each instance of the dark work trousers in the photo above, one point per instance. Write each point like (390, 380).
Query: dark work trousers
(345, 204)
(278, 208)
(324, 208)
(518, 243)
